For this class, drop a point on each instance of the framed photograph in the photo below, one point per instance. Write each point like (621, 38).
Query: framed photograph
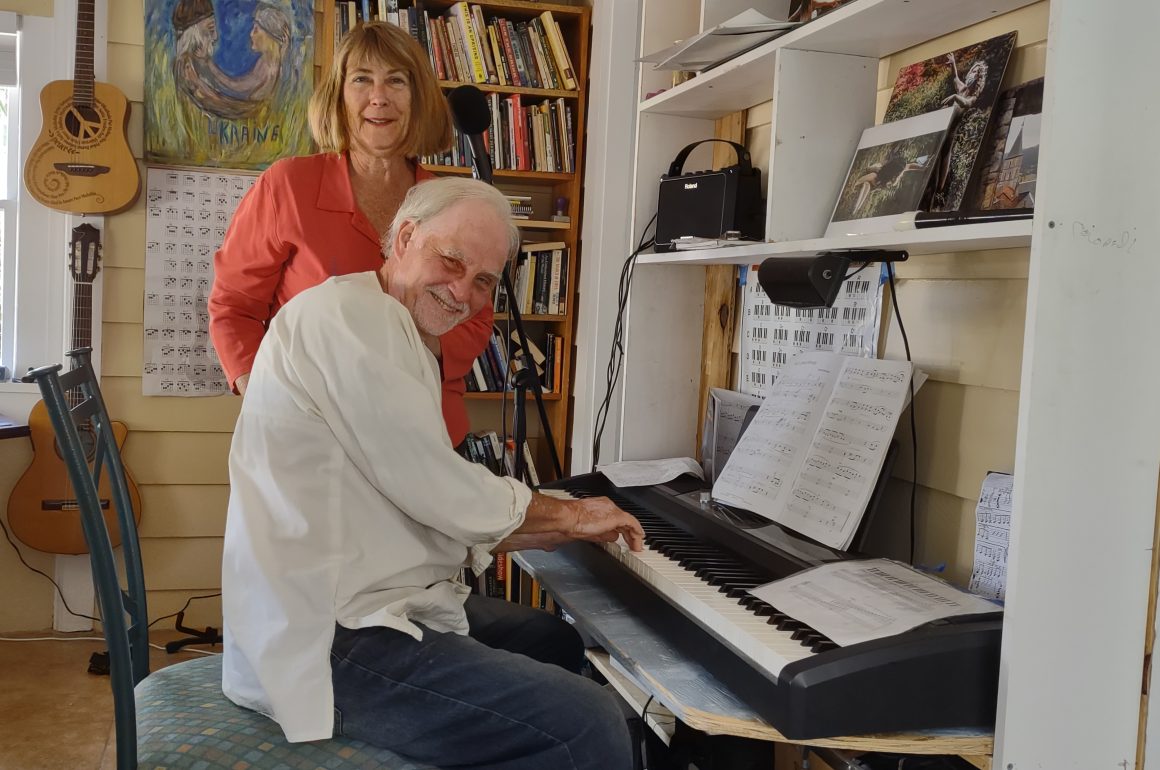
(890, 172)
(966, 80)
(1011, 157)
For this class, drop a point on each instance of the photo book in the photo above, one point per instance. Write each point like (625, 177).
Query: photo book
(966, 80)
(891, 170)
(811, 456)
(1011, 157)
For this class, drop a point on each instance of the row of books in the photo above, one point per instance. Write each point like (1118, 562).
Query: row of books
(540, 281)
(504, 579)
(463, 46)
(536, 137)
(499, 455)
(490, 372)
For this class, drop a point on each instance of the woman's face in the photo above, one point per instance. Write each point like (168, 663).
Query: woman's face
(377, 102)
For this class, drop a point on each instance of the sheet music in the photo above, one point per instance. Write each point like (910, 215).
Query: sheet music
(847, 452)
(724, 415)
(856, 601)
(771, 335)
(186, 217)
(639, 473)
(992, 536)
(811, 456)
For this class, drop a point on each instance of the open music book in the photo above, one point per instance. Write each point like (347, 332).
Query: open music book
(811, 456)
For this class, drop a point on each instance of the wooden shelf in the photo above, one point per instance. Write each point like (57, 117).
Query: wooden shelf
(544, 92)
(934, 240)
(868, 28)
(541, 224)
(520, 7)
(501, 173)
(530, 317)
(494, 396)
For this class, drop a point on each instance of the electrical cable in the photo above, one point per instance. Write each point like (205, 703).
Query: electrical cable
(616, 353)
(183, 609)
(45, 575)
(913, 425)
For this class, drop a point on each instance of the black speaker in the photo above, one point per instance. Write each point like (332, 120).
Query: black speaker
(710, 204)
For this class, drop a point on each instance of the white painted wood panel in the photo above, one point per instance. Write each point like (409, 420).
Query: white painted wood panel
(1089, 421)
(821, 104)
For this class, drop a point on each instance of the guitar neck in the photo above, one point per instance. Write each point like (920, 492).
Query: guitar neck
(83, 77)
(82, 323)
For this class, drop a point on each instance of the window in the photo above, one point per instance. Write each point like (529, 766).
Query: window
(33, 264)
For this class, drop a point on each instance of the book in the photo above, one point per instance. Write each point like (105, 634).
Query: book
(966, 80)
(472, 50)
(889, 174)
(1010, 159)
(559, 50)
(810, 458)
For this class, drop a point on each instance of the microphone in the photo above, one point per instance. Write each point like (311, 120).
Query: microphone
(472, 117)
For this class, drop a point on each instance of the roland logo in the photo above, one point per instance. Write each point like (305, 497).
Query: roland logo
(691, 185)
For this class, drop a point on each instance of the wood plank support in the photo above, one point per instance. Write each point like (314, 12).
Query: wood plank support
(720, 316)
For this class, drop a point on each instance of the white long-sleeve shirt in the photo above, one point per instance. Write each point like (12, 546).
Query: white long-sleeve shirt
(347, 502)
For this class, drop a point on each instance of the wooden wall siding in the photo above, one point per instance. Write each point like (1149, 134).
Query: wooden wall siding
(31, 7)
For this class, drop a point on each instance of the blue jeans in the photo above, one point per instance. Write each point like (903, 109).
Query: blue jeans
(503, 698)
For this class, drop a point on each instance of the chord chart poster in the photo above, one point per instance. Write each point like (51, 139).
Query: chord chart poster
(771, 335)
(186, 218)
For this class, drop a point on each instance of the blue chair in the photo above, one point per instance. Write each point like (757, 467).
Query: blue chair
(177, 717)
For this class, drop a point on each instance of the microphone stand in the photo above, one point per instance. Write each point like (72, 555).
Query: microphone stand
(526, 376)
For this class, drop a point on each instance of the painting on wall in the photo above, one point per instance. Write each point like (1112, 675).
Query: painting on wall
(227, 81)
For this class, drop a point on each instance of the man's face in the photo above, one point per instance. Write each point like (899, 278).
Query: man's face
(445, 270)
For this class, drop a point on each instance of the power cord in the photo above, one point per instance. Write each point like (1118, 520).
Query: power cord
(913, 425)
(616, 353)
(45, 575)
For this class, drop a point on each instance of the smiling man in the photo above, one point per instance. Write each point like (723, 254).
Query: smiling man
(351, 519)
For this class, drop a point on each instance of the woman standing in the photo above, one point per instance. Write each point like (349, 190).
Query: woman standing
(309, 218)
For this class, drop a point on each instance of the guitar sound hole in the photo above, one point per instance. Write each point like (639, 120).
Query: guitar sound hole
(81, 121)
(88, 443)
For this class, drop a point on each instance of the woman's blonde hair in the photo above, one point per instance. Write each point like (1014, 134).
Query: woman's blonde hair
(429, 127)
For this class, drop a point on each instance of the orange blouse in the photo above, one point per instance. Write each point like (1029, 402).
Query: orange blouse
(296, 227)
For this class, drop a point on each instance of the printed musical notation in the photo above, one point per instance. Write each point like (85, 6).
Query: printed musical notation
(186, 217)
(813, 452)
(771, 335)
(992, 536)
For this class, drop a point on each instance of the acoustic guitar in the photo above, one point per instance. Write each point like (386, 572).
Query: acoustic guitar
(81, 162)
(42, 509)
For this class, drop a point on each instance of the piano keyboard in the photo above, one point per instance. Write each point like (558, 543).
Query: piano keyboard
(703, 561)
(711, 586)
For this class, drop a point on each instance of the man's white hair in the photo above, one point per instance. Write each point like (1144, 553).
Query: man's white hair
(427, 200)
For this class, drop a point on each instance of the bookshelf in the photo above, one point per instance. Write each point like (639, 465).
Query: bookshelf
(1081, 439)
(543, 187)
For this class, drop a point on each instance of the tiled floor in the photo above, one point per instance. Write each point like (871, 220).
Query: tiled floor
(54, 715)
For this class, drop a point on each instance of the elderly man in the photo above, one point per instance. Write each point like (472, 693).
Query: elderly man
(351, 519)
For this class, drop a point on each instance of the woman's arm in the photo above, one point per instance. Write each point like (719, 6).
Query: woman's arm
(247, 269)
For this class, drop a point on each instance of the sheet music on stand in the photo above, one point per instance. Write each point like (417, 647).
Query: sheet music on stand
(810, 458)
(771, 334)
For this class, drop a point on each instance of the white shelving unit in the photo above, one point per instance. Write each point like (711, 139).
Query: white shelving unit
(1087, 454)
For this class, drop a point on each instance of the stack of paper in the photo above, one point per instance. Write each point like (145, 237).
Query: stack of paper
(744, 31)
